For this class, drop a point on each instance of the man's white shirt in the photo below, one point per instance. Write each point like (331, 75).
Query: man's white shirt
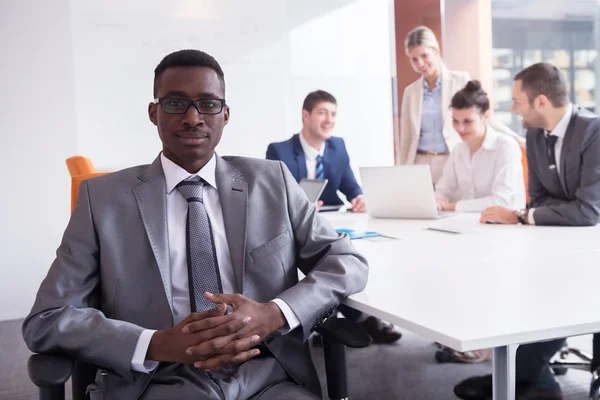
(177, 209)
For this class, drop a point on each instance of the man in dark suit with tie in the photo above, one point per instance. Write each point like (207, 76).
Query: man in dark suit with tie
(315, 154)
(563, 155)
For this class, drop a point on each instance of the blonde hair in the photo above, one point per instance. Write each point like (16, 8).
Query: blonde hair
(421, 36)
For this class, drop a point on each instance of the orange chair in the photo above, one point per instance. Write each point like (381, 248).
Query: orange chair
(525, 173)
(80, 168)
(78, 165)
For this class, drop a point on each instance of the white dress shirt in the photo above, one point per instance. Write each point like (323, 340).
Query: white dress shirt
(310, 154)
(493, 176)
(560, 130)
(177, 209)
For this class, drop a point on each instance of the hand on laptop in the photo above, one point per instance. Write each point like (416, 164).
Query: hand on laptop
(358, 204)
(318, 204)
(444, 205)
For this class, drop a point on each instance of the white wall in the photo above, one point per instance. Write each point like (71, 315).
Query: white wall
(82, 86)
(37, 133)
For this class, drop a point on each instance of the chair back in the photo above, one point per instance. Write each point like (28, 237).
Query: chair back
(79, 165)
(525, 173)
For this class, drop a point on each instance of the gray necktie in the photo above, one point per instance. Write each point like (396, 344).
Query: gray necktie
(203, 269)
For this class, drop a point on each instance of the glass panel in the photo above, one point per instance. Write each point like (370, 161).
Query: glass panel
(527, 32)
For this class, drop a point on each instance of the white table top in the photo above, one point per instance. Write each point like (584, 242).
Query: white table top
(489, 286)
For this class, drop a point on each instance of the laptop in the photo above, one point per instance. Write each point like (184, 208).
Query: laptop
(402, 191)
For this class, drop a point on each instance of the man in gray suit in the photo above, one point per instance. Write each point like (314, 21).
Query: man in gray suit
(563, 156)
(179, 279)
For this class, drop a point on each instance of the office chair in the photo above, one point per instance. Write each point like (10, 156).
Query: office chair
(560, 364)
(78, 165)
(50, 372)
(525, 173)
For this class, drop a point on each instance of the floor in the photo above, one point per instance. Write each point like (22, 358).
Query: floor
(405, 370)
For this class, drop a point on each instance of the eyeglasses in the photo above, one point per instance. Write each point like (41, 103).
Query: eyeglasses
(181, 106)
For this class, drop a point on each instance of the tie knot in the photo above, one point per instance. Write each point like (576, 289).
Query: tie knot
(319, 159)
(191, 189)
(551, 139)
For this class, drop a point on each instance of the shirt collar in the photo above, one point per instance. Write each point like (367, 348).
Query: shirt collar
(310, 152)
(490, 140)
(175, 174)
(438, 83)
(561, 128)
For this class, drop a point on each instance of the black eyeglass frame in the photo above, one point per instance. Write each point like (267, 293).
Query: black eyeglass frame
(189, 103)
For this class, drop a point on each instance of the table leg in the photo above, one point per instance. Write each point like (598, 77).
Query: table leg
(504, 372)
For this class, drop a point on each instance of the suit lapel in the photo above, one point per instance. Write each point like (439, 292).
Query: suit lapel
(233, 196)
(328, 159)
(300, 159)
(566, 148)
(152, 202)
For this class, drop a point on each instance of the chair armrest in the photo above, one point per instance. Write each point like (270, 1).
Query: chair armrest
(48, 370)
(345, 332)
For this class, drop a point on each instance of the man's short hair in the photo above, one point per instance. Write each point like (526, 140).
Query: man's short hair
(188, 58)
(544, 78)
(317, 97)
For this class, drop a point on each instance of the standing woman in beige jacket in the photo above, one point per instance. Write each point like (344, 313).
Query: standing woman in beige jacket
(426, 135)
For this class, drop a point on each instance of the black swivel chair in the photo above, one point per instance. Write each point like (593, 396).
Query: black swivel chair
(50, 372)
(585, 362)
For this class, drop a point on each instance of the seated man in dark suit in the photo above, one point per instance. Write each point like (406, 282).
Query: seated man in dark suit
(154, 253)
(563, 155)
(315, 154)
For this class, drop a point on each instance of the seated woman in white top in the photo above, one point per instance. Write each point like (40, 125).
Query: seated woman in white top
(485, 169)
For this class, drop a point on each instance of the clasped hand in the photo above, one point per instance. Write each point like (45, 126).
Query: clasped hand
(212, 340)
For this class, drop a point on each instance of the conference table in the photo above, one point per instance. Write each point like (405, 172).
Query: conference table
(472, 286)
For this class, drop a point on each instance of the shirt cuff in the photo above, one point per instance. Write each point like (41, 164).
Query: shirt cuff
(139, 362)
(292, 320)
(530, 220)
(460, 206)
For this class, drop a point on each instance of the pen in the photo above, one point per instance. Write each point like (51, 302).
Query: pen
(442, 230)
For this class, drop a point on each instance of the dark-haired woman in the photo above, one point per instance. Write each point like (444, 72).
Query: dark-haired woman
(426, 135)
(485, 169)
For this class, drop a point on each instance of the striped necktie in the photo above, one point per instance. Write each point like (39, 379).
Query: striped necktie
(320, 168)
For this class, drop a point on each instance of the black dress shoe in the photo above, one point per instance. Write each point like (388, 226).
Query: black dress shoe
(480, 388)
(475, 388)
(381, 332)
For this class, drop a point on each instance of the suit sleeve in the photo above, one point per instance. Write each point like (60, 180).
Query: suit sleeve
(585, 209)
(332, 267)
(64, 318)
(348, 184)
(272, 153)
